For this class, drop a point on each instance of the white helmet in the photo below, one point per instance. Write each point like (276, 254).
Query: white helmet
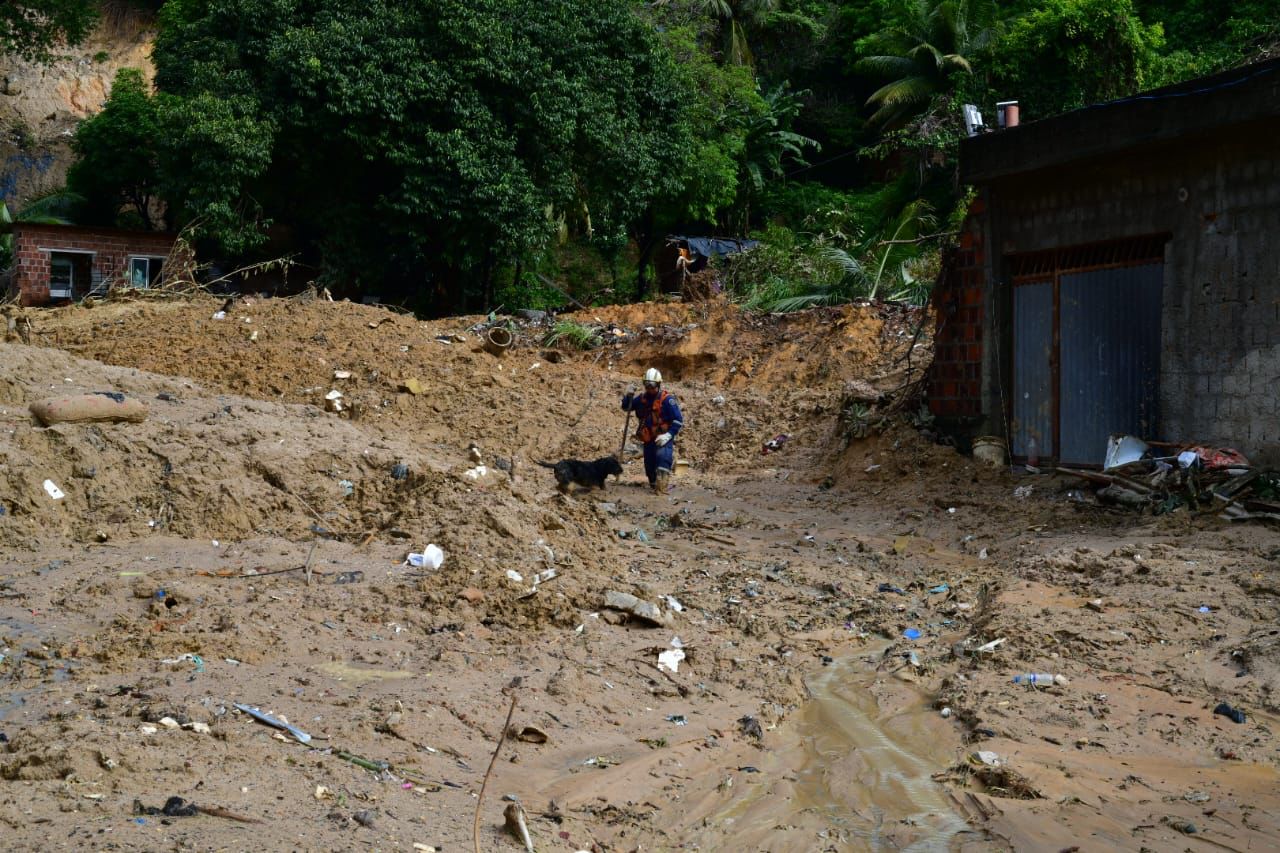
(652, 375)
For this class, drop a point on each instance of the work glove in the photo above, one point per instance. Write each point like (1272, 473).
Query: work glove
(627, 399)
(662, 440)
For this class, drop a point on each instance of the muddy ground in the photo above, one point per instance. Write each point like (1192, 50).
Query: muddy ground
(168, 585)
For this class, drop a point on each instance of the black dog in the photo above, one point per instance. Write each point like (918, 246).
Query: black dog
(588, 474)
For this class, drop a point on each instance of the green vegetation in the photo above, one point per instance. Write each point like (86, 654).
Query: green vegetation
(452, 156)
(33, 29)
(574, 334)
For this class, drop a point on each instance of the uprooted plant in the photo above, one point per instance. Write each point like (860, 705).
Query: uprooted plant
(574, 334)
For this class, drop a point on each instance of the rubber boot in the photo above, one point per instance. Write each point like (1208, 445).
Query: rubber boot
(663, 483)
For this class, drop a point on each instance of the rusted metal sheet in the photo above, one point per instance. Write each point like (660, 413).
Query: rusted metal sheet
(1109, 332)
(1033, 386)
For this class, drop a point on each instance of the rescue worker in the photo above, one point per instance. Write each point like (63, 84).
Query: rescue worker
(659, 423)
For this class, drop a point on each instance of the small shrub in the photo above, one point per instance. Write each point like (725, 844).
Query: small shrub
(574, 334)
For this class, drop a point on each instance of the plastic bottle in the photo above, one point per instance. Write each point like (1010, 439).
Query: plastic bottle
(1033, 453)
(1043, 679)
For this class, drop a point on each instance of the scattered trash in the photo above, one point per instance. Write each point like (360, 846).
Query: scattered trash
(358, 761)
(987, 757)
(333, 401)
(173, 807)
(364, 817)
(946, 712)
(1204, 608)
(1041, 679)
(774, 444)
(342, 374)
(1196, 797)
(750, 727)
(399, 471)
(912, 633)
(993, 645)
(990, 450)
(641, 536)
(348, 488)
(512, 574)
(528, 734)
(644, 610)
(670, 659)
(195, 659)
(513, 814)
(1023, 492)
(53, 491)
(269, 720)
(476, 473)
(1186, 827)
(432, 557)
(349, 577)
(939, 589)
(1235, 715)
(673, 604)
(888, 587)
(219, 315)
(1123, 449)
(678, 719)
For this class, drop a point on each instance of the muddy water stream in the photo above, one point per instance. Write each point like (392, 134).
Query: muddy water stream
(854, 770)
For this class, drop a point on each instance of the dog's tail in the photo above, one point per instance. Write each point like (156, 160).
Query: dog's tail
(544, 464)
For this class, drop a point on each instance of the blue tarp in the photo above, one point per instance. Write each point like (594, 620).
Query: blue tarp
(710, 247)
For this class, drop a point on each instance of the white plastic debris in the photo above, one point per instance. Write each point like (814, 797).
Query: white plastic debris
(170, 723)
(1023, 492)
(220, 315)
(987, 757)
(335, 394)
(475, 473)
(342, 374)
(670, 659)
(432, 557)
(673, 604)
(515, 576)
(53, 491)
(993, 645)
(1123, 449)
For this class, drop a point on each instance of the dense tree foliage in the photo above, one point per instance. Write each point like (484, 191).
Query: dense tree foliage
(117, 166)
(464, 153)
(33, 28)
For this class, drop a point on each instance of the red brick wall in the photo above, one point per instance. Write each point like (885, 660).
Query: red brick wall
(113, 247)
(955, 379)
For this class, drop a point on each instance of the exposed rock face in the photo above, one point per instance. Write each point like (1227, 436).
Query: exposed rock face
(41, 104)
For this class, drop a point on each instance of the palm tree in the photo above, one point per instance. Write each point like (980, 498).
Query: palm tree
(769, 143)
(55, 207)
(925, 54)
(735, 18)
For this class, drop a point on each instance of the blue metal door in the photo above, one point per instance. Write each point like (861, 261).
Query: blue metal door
(1033, 387)
(1109, 328)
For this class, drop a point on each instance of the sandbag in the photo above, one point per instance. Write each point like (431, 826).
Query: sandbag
(88, 408)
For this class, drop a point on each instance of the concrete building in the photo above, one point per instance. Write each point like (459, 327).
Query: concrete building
(1120, 272)
(63, 262)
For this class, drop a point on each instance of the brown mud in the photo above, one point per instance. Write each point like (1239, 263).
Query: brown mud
(169, 584)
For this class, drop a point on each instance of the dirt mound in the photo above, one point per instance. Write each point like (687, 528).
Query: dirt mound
(741, 378)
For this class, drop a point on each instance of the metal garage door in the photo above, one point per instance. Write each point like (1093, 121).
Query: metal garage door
(1086, 347)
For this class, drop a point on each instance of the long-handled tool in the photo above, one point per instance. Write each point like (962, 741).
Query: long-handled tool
(626, 427)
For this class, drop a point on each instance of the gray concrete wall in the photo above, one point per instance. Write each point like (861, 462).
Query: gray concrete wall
(1219, 199)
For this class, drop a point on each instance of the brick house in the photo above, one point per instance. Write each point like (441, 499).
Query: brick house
(62, 262)
(1120, 272)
